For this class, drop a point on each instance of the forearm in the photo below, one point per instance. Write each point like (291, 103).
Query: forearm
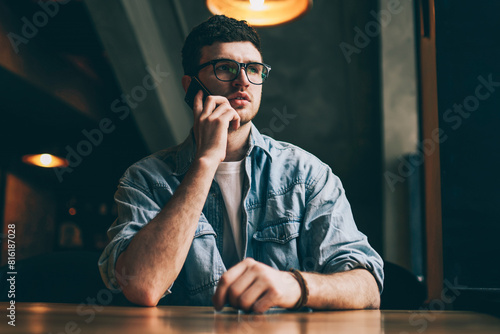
(158, 251)
(354, 289)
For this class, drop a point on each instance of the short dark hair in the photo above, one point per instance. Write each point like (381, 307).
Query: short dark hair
(218, 28)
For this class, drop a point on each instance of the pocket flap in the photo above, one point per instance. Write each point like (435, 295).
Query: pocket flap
(281, 233)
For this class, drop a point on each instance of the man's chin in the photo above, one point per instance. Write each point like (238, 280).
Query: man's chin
(246, 115)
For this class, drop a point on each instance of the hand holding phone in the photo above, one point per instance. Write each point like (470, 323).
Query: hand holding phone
(194, 87)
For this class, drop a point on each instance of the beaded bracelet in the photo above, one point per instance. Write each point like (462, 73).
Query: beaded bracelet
(304, 290)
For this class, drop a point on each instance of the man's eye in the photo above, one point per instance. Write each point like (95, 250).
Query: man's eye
(226, 68)
(254, 70)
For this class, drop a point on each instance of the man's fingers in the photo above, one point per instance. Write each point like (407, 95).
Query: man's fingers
(220, 110)
(265, 302)
(229, 277)
(214, 107)
(240, 293)
(226, 115)
(198, 104)
(220, 296)
(212, 102)
(235, 124)
(245, 298)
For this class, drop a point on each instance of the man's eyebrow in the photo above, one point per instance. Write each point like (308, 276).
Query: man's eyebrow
(226, 58)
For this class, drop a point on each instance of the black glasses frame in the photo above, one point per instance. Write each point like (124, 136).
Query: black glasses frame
(240, 65)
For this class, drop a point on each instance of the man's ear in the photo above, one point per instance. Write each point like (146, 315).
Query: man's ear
(186, 81)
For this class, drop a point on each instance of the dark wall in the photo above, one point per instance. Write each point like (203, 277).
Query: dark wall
(468, 50)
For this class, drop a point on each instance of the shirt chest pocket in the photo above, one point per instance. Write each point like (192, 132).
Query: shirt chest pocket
(276, 245)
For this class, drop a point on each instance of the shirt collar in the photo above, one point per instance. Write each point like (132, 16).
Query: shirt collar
(256, 140)
(186, 151)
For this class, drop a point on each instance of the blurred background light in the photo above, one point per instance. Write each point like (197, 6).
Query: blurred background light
(45, 160)
(261, 12)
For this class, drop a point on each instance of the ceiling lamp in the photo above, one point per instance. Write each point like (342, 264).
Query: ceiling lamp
(260, 13)
(45, 160)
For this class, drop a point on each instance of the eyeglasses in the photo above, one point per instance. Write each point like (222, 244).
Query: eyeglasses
(228, 70)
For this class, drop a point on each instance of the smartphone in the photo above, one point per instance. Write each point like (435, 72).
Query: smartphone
(194, 87)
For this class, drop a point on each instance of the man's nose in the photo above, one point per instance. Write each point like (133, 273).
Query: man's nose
(241, 79)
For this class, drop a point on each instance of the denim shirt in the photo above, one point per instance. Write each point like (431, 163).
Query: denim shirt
(295, 215)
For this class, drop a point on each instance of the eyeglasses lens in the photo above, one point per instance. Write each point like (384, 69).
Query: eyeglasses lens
(227, 70)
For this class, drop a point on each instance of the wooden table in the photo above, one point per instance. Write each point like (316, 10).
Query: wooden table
(82, 319)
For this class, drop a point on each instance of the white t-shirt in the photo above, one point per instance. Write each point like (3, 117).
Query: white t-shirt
(229, 176)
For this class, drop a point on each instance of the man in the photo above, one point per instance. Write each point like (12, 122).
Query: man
(224, 217)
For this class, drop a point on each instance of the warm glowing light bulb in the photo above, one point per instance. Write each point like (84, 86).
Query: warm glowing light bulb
(257, 4)
(260, 13)
(45, 159)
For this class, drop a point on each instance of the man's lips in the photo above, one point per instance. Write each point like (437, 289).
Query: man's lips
(238, 103)
(239, 99)
(239, 96)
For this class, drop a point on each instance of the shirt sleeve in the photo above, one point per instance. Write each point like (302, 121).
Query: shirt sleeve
(136, 207)
(330, 241)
